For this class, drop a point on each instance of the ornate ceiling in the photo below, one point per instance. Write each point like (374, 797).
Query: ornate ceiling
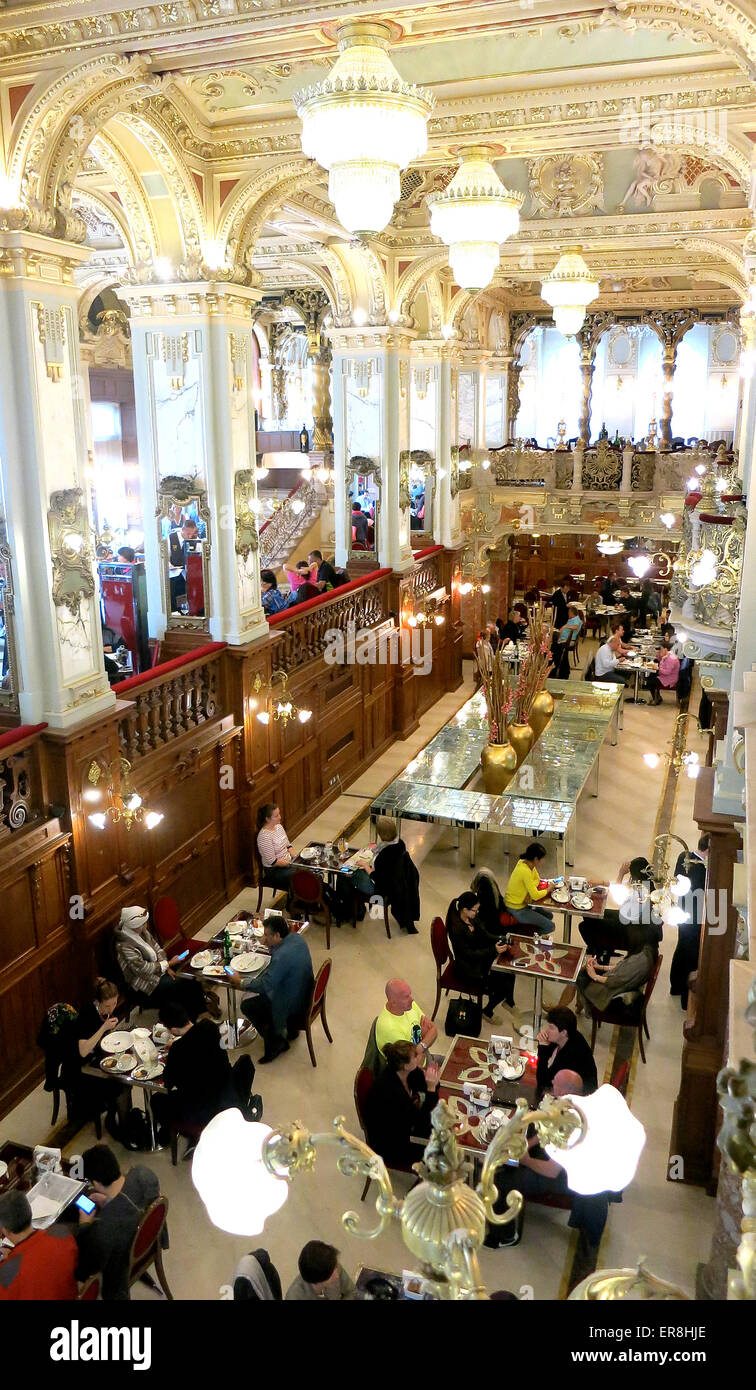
(160, 130)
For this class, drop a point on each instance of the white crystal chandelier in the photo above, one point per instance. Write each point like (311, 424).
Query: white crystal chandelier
(473, 216)
(364, 125)
(569, 289)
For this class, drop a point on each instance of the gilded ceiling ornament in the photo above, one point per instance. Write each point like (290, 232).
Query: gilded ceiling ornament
(562, 185)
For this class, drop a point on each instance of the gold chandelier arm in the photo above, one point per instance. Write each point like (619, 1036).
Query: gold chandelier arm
(463, 1267)
(294, 1151)
(555, 1123)
(662, 555)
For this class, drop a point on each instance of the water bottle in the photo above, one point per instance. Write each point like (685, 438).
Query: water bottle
(226, 947)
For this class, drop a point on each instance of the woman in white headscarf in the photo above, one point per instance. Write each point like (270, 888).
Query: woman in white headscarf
(147, 969)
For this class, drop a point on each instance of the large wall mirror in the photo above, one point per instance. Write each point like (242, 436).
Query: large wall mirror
(9, 660)
(184, 532)
(422, 477)
(363, 505)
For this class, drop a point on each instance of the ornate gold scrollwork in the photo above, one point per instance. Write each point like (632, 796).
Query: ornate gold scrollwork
(404, 483)
(51, 330)
(247, 540)
(68, 526)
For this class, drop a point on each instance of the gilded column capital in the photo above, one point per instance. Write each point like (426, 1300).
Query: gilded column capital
(43, 259)
(215, 297)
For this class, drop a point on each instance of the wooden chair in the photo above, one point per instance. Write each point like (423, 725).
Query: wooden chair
(317, 1006)
(167, 922)
(90, 1291)
(261, 879)
(364, 1082)
(146, 1249)
(446, 975)
(628, 1018)
(307, 887)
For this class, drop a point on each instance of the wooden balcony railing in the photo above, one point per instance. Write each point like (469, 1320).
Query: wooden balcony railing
(169, 700)
(303, 631)
(20, 786)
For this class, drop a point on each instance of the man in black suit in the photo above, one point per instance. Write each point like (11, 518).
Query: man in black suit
(180, 544)
(559, 605)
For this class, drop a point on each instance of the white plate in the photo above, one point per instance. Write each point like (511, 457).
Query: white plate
(249, 961)
(161, 1034)
(202, 959)
(582, 900)
(126, 1062)
(309, 853)
(148, 1071)
(216, 972)
(560, 896)
(513, 1071)
(116, 1042)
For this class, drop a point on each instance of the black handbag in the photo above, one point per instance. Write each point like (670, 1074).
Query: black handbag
(463, 1016)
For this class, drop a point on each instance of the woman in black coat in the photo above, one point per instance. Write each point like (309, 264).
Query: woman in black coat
(400, 1104)
(491, 902)
(475, 952)
(395, 877)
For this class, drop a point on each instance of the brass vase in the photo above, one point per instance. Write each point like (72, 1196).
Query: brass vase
(541, 711)
(521, 737)
(498, 762)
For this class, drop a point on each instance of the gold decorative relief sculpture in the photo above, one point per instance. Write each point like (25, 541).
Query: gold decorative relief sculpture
(68, 526)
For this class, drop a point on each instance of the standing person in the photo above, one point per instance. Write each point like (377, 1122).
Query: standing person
(105, 1238)
(475, 952)
(400, 1104)
(277, 1001)
(607, 590)
(326, 576)
(685, 959)
(39, 1265)
(524, 890)
(181, 543)
(395, 877)
(559, 605)
(274, 846)
(402, 1019)
(320, 1277)
(147, 969)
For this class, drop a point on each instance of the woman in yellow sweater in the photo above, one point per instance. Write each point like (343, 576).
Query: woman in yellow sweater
(522, 891)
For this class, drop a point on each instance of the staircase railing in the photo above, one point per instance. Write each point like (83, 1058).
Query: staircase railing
(280, 532)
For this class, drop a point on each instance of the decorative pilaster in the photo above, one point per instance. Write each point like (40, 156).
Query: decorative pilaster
(44, 437)
(192, 356)
(322, 435)
(587, 364)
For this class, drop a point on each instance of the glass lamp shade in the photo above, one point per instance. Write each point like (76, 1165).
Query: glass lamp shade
(640, 565)
(228, 1172)
(606, 1159)
(569, 289)
(473, 216)
(364, 124)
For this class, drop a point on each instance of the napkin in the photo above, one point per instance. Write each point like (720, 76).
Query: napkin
(43, 1208)
(145, 1049)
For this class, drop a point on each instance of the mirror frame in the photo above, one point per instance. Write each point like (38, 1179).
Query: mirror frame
(174, 491)
(361, 467)
(425, 460)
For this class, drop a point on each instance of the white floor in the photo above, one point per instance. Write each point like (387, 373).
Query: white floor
(668, 1223)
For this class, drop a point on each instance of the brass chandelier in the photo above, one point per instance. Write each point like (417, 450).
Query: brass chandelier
(277, 707)
(123, 802)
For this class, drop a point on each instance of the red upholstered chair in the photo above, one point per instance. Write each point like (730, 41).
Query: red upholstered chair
(317, 1006)
(186, 1130)
(90, 1291)
(626, 1018)
(364, 1082)
(167, 921)
(307, 888)
(146, 1248)
(446, 975)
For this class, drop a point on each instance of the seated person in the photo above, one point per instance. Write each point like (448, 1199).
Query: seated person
(274, 847)
(395, 877)
(607, 658)
(538, 1175)
(320, 1276)
(256, 1279)
(628, 601)
(609, 933)
(276, 1003)
(198, 1075)
(665, 677)
(272, 598)
(561, 1047)
(87, 1093)
(400, 1103)
(105, 1237)
(36, 1265)
(475, 952)
(305, 591)
(147, 969)
(566, 635)
(325, 575)
(126, 555)
(599, 984)
(491, 900)
(513, 630)
(685, 959)
(523, 891)
(402, 1019)
(621, 634)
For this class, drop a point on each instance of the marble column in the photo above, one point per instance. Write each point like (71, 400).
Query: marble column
(626, 485)
(371, 402)
(44, 453)
(192, 355)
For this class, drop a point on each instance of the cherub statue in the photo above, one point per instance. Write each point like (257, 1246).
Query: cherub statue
(648, 165)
